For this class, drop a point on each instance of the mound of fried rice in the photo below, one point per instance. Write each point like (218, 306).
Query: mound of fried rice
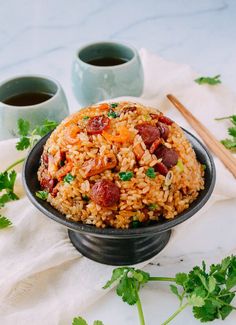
(73, 162)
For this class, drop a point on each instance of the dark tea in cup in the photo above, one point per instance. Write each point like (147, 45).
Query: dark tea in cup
(27, 99)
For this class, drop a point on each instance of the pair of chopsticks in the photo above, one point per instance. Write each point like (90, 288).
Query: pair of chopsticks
(213, 144)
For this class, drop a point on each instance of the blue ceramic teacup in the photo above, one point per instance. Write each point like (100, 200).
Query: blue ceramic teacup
(33, 98)
(106, 70)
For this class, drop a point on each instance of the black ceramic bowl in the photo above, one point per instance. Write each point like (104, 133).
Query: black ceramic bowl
(117, 246)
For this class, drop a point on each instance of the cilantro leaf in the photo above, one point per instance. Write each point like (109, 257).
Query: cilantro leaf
(97, 322)
(7, 180)
(43, 195)
(45, 128)
(127, 290)
(175, 291)
(142, 276)
(79, 321)
(206, 313)
(126, 176)
(4, 222)
(228, 143)
(116, 274)
(211, 284)
(7, 197)
(181, 278)
(195, 300)
(114, 105)
(225, 311)
(129, 284)
(152, 206)
(23, 127)
(23, 143)
(85, 118)
(233, 119)
(68, 178)
(208, 80)
(231, 280)
(232, 131)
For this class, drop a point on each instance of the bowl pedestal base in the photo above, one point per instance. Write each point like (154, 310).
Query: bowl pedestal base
(119, 251)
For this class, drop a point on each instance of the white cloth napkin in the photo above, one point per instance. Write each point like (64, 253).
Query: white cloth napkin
(43, 279)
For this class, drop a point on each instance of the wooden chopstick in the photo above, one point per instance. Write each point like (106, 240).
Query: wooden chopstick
(213, 144)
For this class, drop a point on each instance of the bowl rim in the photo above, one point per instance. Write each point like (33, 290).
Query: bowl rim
(159, 227)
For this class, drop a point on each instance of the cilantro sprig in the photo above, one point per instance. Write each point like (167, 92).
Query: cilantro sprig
(130, 282)
(230, 143)
(208, 293)
(29, 138)
(208, 80)
(7, 183)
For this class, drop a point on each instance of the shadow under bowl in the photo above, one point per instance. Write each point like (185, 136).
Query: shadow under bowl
(117, 246)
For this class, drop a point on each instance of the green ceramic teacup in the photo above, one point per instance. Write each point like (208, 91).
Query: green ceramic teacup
(96, 78)
(18, 100)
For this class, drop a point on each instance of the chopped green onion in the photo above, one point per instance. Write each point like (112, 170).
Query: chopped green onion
(204, 166)
(135, 224)
(43, 195)
(169, 178)
(126, 176)
(180, 165)
(112, 114)
(114, 105)
(85, 118)
(85, 198)
(68, 178)
(153, 206)
(151, 172)
(147, 117)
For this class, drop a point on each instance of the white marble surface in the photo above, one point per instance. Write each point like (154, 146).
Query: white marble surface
(42, 36)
